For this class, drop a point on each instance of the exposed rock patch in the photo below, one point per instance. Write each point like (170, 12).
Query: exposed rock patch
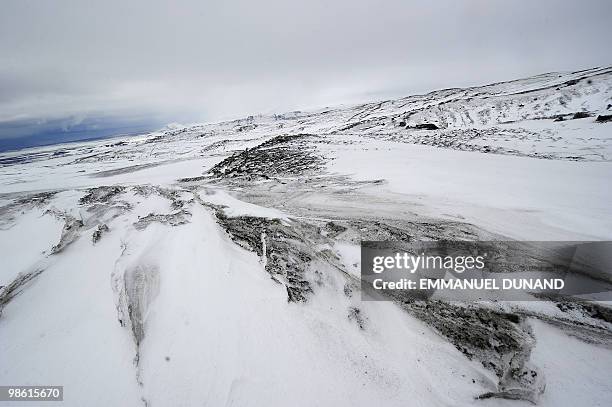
(285, 252)
(70, 231)
(102, 194)
(502, 342)
(173, 219)
(581, 115)
(21, 204)
(97, 234)
(425, 126)
(279, 156)
(173, 195)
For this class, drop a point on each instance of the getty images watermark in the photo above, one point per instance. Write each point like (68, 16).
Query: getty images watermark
(491, 270)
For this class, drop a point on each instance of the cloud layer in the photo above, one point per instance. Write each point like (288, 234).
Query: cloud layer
(191, 60)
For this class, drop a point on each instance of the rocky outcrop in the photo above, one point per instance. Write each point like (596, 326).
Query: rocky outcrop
(172, 219)
(279, 156)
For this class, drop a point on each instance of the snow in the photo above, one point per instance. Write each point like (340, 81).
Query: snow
(213, 293)
(569, 363)
(525, 198)
(63, 330)
(217, 329)
(299, 356)
(30, 246)
(235, 207)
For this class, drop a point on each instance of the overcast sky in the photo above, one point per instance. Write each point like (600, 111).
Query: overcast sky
(149, 62)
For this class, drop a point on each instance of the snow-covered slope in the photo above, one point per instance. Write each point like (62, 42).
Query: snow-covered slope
(217, 264)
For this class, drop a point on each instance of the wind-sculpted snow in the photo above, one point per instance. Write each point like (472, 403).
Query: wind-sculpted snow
(219, 263)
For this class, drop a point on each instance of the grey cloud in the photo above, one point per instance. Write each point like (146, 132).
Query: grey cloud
(206, 60)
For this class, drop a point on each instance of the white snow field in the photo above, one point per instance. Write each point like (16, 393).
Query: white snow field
(217, 264)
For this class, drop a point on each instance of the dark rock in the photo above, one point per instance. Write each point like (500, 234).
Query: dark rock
(101, 194)
(173, 219)
(334, 229)
(426, 126)
(280, 156)
(97, 234)
(590, 309)
(500, 341)
(603, 118)
(70, 232)
(581, 115)
(285, 251)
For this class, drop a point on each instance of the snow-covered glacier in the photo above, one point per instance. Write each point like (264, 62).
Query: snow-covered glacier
(218, 264)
